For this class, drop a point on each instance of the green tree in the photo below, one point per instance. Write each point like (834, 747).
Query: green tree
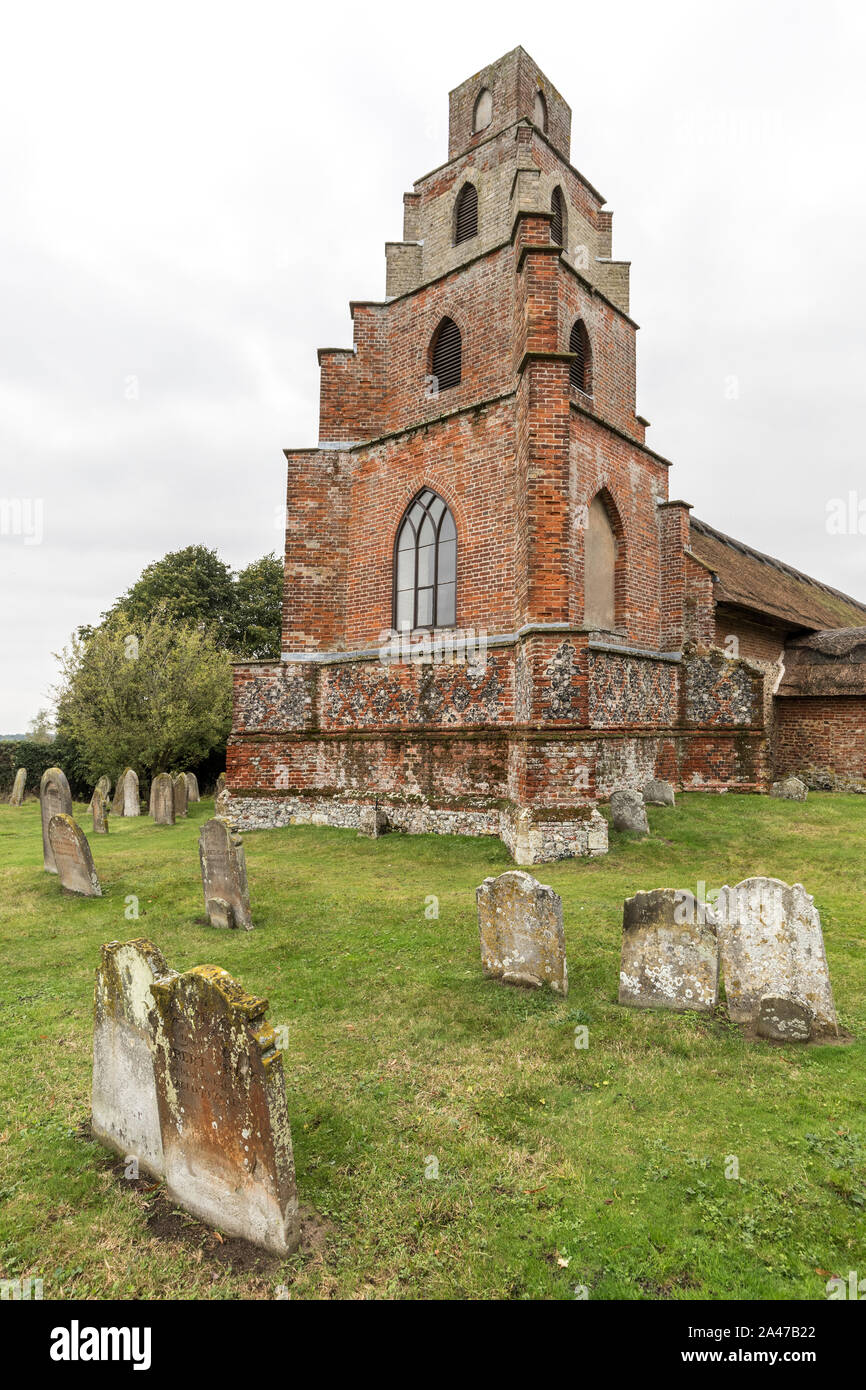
(192, 586)
(258, 612)
(41, 728)
(151, 694)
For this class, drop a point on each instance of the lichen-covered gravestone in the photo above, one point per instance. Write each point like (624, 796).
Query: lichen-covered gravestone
(124, 1114)
(522, 938)
(783, 1020)
(372, 822)
(628, 812)
(55, 799)
(99, 810)
(162, 799)
(72, 857)
(17, 797)
(791, 789)
(771, 943)
(659, 793)
(221, 1096)
(103, 786)
(670, 953)
(126, 802)
(224, 875)
(193, 793)
(220, 784)
(181, 795)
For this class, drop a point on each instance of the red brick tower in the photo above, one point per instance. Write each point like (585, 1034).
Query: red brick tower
(481, 470)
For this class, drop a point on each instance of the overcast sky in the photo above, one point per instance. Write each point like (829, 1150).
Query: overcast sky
(192, 193)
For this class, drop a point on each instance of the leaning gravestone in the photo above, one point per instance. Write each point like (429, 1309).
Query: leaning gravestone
(791, 789)
(180, 794)
(162, 799)
(126, 794)
(99, 809)
(659, 793)
(221, 1096)
(124, 1114)
(72, 857)
(522, 938)
(629, 812)
(193, 793)
(670, 953)
(771, 943)
(224, 875)
(17, 797)
(55, 799)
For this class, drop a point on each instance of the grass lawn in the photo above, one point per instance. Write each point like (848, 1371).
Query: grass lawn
(557, 1167)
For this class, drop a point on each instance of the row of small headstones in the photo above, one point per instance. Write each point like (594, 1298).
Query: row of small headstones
(763, 935)
(188, 1079)
(67, 853)
(628, 807)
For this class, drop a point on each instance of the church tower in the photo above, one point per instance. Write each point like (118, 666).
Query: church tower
(484, 607)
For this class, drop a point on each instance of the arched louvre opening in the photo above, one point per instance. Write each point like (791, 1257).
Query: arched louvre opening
(580, 373)
(425, 568)
(447, 362)
(557, 225)
(466, 214)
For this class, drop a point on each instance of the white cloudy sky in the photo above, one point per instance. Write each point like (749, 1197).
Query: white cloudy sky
(191, 193)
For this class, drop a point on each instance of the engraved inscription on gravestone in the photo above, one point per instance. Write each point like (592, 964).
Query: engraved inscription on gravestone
(55, 799)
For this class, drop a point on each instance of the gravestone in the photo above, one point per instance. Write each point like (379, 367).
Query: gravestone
(221, 1097)
(72, 857)
(220, 784)
(126, 801)
(180, 794)
(99, 810)
(55, 799)
(222, 803)
(192, 791)
(791, 789)
(659, 793)
(17, 797)
(771, 943)
(372, 822)
(224, 875)
(629, 812)
(162, 799)
(670, 953)
(124, 1114)
(522, 938)
(103, 786)
(783, 1020)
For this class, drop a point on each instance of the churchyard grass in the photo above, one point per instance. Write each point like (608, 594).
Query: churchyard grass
(558, 1167)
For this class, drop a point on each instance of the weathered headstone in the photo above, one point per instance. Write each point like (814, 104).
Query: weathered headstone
(222, 803)
(629, 812)
(72, 857)
(99, 809)
(771, 942)
(162, 799)
(221, 1096)
(220, 784)
(124, 1114)
(783, 1020)
(17, 797)
(670, 953)
(522, 938)
(659, 793)
(55, 799)
(180, 794)
(224, 875)
(372, 822)
(791, 789)
(193, 793)
(103, 786)
(126, 801)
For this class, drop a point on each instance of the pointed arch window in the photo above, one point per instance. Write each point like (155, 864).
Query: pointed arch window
(483, 113)
(603, 567)
(466, 214)
(557, 225)
(425, 565)
(580, 373)
(539, 111)
(447, 356)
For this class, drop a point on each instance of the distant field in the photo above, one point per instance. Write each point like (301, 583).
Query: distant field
(556, 1167)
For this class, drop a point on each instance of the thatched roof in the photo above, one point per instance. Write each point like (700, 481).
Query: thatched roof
(747, 579)
(826, 663)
